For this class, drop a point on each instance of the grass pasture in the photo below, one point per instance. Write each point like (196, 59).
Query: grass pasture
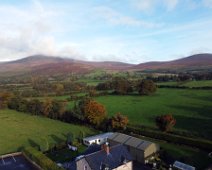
(191, 108)
(20, 129)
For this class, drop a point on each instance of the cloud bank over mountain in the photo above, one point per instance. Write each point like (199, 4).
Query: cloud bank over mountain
(132, 31)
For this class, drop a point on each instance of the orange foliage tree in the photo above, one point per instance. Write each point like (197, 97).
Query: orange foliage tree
(119, 121)
(165, 122)
(94, 112)
(5, 97)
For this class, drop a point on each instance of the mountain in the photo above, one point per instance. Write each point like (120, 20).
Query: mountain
(198, 61)
(48, 65)
(40, 64)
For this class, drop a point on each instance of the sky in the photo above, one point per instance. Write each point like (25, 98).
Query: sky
(133, 31)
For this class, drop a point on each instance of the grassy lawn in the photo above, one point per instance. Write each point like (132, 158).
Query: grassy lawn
(191, 108)
(20, 129)
(203, 83)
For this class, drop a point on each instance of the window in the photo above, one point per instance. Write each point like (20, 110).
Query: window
(85, 167)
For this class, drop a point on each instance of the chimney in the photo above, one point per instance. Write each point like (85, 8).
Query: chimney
(106, 148)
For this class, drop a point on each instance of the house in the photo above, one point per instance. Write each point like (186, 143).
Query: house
(182, 166)
(98, 139)
(139, 149)
(109, 158)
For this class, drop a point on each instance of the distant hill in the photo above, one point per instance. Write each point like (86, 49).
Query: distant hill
(188, 63)
(40, 64)
(48, 65)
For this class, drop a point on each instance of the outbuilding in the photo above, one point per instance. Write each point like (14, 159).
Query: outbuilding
(97, 139)
(138, 148)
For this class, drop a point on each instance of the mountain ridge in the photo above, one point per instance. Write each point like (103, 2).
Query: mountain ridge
(41, 64)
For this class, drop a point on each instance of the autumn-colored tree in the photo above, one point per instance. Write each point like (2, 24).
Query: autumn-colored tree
(165, 122)
(47, 107)
(5, 97)
(119, 121)
(146, 87)
(59, 89)
(93, 111)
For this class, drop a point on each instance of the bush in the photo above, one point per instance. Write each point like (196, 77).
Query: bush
(40, 159)
(165, 122)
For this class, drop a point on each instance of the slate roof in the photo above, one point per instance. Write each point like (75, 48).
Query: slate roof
(91, 149)
(114, 159)
(130, 141)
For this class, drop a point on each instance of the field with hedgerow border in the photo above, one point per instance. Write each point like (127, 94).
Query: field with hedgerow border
(191, 108)
(20, 129)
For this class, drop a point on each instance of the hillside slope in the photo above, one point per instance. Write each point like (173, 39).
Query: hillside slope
(40, 64)
(191, 62)
(48, 65)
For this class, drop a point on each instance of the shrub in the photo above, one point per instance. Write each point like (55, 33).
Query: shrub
(165, 122)
(40, 159)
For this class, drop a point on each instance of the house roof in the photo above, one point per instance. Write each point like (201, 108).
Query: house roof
(118, 154)
(104, 135)
(91, 149)
(183, 166)
(130, 141)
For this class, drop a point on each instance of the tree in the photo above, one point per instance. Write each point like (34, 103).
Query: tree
(5, 97)
(34, 107)
(47, 107)
(93, 111)
(59, 89)
(165, 122)
(119, 121)
(58, 109)
(146, 87)
(122, 86)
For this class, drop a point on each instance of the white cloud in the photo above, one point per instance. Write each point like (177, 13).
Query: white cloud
(149, 6)
(116, 18)
(144, 5)
(207, 3)
(170, 4)
(28, 31)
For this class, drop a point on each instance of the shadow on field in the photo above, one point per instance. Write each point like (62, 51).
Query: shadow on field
(33, 143)
(203, 98)
(195, 125)
(57, 139)
(203, 111)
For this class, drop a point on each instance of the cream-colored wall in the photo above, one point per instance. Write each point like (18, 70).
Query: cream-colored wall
(127, 166)
(81, 164)
(153, 148)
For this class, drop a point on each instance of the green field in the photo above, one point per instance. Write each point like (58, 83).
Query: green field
(191, 108)
(203, 83)
(19, 129)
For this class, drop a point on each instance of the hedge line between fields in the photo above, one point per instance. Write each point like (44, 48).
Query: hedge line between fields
(39, 158)
(194, 142)
(184, 87)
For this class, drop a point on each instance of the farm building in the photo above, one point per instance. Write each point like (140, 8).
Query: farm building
(98, 139)
(138, 148)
